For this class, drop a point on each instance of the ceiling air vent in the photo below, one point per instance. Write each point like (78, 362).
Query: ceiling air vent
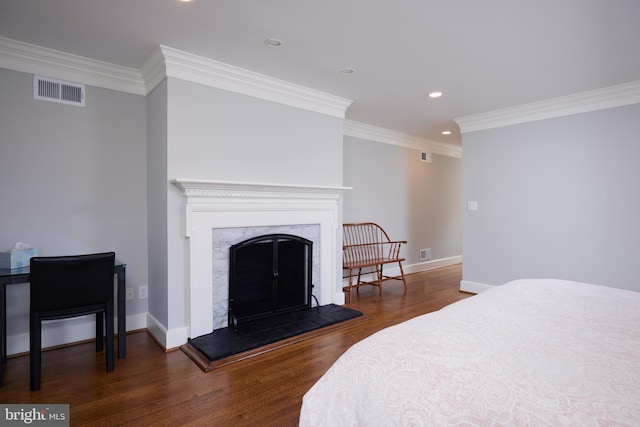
(48, 89)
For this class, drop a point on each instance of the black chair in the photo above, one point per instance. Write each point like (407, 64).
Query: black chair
(70, 286)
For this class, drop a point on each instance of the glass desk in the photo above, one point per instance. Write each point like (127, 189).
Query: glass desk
(21, 275)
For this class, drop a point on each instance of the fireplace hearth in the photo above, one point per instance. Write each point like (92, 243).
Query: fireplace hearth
(254, 337)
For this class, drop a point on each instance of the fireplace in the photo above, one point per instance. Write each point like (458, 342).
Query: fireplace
(269, 275)
(223, 238)
(218, 206)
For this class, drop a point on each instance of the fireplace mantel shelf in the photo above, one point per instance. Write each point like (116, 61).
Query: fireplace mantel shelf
(192, 187)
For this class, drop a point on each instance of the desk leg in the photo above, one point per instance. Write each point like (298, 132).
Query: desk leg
(3, 330)
(3, 319)
(122, 314)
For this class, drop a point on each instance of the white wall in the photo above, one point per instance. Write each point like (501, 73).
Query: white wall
(72, 180)
(556, 198)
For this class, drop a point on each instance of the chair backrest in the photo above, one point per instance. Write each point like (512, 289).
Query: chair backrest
(66, 282)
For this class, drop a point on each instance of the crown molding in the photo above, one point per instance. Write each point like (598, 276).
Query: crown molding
(164, 62)
(599, 99)
(28, 58)
(387, 136)
(168, 62)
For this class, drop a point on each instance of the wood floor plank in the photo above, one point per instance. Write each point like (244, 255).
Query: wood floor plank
(153, 387)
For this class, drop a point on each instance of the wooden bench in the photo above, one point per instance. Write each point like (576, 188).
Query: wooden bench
(366, 244)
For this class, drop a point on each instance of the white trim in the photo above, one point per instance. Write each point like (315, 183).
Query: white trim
(208, 72)
(473, 287)
(164, 62)
(600, 99)
(221, 204)
(28, 58)
(157, 330)
(68, 331)
(168, 339)
(199, 187)
(411, 268)
(387, 136)
(431, 264)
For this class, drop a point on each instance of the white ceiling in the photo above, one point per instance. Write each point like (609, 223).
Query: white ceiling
(484, 55)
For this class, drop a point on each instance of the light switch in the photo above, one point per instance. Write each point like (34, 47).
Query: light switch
(472, 205)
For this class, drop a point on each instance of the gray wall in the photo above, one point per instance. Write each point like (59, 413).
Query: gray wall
(412, 200)
(157, 182)
(556, 198)
(220, 135)
(73, 181)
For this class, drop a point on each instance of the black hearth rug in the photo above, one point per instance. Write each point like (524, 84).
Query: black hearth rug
(253, 334)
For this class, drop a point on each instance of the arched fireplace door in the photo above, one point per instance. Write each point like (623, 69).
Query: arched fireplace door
(268, 275)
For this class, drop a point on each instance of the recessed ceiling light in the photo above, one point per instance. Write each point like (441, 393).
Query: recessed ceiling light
(273, 42)
(446, 132)
(347, 71)
(435, 94)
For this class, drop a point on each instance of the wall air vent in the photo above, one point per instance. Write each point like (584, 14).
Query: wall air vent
(48, 89)
(425, 254)
(425, 157)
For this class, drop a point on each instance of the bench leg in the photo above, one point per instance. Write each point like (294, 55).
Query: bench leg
(358, 284)
(404, 282)
(379, 273)
(350, 284)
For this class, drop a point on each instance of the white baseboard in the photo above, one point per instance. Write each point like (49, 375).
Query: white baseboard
(167, 338)
(431, 264)
(68, 331)
(473, 287)
(410, 268)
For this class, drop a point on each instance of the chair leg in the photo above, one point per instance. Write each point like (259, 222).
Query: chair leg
(99, 332)
(35, 351)
(379, 273)
(110, 338)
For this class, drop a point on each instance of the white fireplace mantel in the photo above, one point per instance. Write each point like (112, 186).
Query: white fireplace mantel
(224, 204)
(192, 187)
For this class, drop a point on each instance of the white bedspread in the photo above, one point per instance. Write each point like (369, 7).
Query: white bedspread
(527, 353)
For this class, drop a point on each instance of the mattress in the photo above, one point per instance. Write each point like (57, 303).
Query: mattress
(527, 353)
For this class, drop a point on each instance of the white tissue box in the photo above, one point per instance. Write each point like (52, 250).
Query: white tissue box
(17, 259)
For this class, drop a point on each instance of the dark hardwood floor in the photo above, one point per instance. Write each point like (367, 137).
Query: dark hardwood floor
(153, 387)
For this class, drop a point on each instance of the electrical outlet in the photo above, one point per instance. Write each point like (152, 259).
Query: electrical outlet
(143, 292)
(130, 293)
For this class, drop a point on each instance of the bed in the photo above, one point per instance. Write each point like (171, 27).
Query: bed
(527, 353)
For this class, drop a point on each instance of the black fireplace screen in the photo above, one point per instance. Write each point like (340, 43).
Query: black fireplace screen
(269, 274)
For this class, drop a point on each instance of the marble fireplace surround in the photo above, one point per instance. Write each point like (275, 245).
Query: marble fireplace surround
(226, 204)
